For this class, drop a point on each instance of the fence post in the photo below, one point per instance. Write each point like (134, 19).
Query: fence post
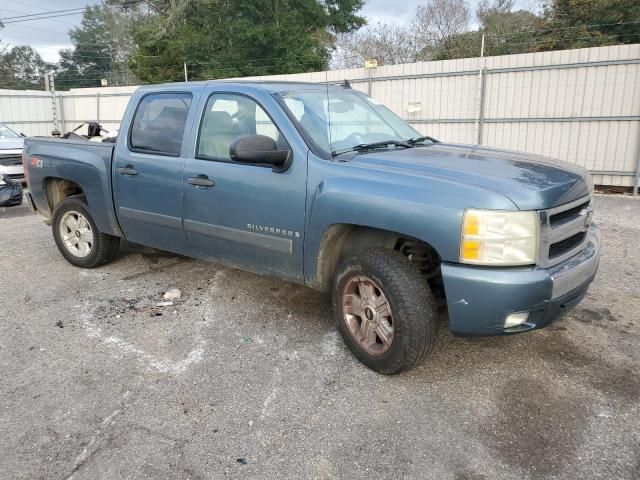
(481, 86)
(369, 65)
(61, 116)
(636, 178)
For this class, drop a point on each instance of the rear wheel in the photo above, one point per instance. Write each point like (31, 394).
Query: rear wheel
(384, 310)
(78, 238)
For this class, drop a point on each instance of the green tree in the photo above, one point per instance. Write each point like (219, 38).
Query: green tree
(587, 23)
(229, 38)
(102, 45)
(22, 67)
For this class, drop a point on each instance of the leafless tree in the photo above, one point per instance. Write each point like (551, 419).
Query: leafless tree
(438, 21)
(388, 42)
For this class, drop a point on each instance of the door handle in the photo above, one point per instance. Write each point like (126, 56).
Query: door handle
(128, 170)
(201, 181)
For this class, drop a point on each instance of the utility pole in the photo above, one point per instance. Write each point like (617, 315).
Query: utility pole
(186, 79)
(50, 86)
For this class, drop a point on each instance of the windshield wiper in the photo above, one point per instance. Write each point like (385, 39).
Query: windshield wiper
(366, 146)
(413, 141)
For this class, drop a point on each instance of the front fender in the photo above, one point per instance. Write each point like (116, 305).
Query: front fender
(429, 210)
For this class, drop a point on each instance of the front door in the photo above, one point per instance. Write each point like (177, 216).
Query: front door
(147, 175)
(243, 215)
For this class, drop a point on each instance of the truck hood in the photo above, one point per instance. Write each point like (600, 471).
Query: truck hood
(11, 144)
(531, 182)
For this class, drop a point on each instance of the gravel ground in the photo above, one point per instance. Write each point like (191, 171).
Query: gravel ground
(245, 377)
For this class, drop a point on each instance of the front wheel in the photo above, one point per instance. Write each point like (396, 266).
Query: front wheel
(384, 310)
(78, 237)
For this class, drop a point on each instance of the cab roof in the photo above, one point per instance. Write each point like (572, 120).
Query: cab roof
(271, 86)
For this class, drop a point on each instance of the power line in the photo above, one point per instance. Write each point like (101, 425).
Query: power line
(58, 13)
(42, 18)
(43, 13)
(34, 6)
(31, 27)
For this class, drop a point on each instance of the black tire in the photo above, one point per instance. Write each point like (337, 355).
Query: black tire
(104, 248)
(413, 309)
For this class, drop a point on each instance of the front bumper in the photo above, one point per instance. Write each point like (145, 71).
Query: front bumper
(14, 172)
(480, 298)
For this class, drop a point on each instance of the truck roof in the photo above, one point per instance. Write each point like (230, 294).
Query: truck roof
(271, 86)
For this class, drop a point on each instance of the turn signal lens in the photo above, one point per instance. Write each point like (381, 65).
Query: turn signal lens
(516, 319)
(470, 249)
(499, 237)
(471, 225)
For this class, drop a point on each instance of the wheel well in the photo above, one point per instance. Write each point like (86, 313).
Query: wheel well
(57, 189)
(340, 240)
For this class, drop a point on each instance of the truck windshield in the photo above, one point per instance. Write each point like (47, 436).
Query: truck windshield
(6, 132)
(339, 120)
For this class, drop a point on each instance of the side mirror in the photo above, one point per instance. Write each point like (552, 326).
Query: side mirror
(22, 134)
(260, 149)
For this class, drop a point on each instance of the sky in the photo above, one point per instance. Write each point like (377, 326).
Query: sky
(48, 36)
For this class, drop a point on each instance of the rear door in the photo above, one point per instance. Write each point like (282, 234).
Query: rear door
(241, 214)
(148, 167)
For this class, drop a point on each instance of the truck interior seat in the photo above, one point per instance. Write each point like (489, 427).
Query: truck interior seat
(218, 133)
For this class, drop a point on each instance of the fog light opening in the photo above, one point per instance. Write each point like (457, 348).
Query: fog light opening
(516, 319)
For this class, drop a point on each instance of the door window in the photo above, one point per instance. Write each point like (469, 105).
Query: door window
(228, 117)
(159, 122)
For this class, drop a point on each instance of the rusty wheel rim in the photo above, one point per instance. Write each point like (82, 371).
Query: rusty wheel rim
(367, 315)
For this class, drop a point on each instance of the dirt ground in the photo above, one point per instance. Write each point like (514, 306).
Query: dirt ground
(246, 377)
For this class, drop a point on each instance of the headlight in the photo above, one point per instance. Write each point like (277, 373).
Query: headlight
(499, 237)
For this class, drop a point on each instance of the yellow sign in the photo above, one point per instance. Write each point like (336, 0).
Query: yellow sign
(371, 63)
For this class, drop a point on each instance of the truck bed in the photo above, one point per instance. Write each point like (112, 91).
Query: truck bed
(86, 167)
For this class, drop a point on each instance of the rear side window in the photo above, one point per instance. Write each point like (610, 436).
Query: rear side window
(158, 124)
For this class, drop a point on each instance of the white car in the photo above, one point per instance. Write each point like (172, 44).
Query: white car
(11, 144)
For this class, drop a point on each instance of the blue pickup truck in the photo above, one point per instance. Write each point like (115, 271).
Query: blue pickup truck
(324, 186)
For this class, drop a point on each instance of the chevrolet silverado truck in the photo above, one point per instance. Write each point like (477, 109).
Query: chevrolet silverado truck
(324, 186)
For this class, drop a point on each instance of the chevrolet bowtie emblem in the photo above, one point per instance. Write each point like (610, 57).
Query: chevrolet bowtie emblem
(587, 213)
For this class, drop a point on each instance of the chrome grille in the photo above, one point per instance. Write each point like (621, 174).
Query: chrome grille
(566, 216)
(11, 159)
(563, 246)
(563, 231)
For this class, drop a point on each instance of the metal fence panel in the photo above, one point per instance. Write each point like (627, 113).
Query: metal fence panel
(582, 106)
